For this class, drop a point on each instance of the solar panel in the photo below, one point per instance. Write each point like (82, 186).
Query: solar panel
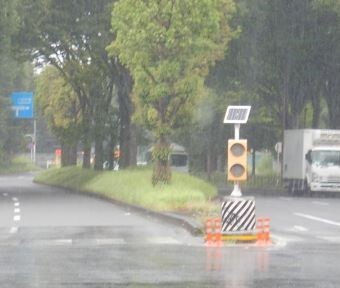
(237, 114)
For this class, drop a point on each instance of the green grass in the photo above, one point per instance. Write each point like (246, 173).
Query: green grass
(18, 165)
(186, 194)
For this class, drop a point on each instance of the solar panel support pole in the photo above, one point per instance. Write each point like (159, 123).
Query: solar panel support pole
(237, 131)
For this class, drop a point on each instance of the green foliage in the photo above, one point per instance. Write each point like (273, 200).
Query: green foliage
(75, 37)
(18, 164)
(161, 152)
(328, 4)
(59, 105)
(14, 75)
(185, 193)
(168, 46)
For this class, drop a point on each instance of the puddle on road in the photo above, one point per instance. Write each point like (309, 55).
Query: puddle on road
(239, 265)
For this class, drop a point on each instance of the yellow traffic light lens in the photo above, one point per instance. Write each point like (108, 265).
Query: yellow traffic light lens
(237, 170)
(237, 149)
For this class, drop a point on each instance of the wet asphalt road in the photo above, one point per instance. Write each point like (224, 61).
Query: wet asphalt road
(52, 238)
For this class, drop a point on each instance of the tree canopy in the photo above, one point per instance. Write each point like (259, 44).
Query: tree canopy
(168, 46)
(186, 61)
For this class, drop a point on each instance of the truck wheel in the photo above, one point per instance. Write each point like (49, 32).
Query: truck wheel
(307, 190)
(290, 189)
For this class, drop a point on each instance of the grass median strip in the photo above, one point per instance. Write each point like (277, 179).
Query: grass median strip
(18, 165)
(185, 194)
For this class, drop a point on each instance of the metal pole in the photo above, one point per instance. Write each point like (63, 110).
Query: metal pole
(31, 151)
(237, 131)
(34, 139)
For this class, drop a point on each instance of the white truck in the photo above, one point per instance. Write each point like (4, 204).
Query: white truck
(311, 161)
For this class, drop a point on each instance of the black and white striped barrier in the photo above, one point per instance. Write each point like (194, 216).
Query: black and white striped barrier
(238, 215)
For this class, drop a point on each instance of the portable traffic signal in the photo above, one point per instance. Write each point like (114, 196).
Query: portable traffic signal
(237, 160)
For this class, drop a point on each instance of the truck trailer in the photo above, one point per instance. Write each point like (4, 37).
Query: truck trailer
(311, 161)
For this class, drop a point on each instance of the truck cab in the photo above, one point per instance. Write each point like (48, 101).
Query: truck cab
(311, 160)
(323, 169)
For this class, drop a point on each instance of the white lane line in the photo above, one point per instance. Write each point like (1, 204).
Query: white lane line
(286, 198)
(334, 239)
(63, 241)
(112, 241)
(16, 210)
(50, 242)
(16, 204)
(5, 194)
(163, 240)
(16, 218)
(279, 241)
(13, 230)
(320, 203)
(318, 219)
(14, 199)
(300, 228)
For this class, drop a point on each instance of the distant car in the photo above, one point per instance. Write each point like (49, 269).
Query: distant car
(106, 165)
(179, 158)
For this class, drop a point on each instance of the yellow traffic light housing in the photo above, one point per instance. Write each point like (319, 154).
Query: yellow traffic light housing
(237, 160)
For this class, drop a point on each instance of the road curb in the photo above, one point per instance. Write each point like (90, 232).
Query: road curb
(185, 222)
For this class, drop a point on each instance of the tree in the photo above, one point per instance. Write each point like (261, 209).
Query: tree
(328, 12)
(11, 73)
(168, 46)
(73, 36)
(59, 105)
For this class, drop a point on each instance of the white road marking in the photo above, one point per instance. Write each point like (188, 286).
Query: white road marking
(318, 219)
(13, 230)
(16, 204)
(50, 242)
(14, 199)
(286, 198)
(63, 241)
(112, 241)
(335, 239)
(320, 203)
(16, 210)
(163, 240)
(300, 228)
(5, 194)
(279, 241)
(16, 218)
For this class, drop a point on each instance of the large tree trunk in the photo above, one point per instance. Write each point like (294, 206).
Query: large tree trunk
(209, 164)
(87, 147)
(128, 142)
(68, 154)
(124, 141)
(133, 145)
(316, 112)
(110, 150)
(98, 160)
(161, 170)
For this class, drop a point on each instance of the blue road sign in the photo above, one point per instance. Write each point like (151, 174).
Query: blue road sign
(22, 105)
